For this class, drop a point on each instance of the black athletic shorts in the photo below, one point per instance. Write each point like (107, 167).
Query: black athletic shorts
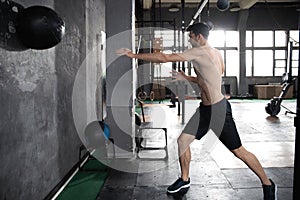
(218, 118)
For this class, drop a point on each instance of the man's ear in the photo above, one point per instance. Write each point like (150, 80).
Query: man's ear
(200, 36)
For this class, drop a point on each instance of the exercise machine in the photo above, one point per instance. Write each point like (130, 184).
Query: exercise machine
(274, 106)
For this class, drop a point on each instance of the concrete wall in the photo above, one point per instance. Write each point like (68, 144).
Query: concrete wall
(39, 143)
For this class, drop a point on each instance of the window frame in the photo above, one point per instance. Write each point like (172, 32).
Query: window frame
(274, 48)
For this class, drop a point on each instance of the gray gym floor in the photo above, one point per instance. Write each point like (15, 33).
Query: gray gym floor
(215, 173)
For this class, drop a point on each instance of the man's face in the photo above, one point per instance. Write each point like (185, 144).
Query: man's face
(193, 39)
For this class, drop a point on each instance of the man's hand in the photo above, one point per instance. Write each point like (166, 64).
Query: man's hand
(179, 76)
(124, 52)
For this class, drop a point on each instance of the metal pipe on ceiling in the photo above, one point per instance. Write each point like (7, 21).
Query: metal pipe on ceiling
(203, 4)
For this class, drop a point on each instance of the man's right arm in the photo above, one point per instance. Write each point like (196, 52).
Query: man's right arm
(152, 57)
(182, 76)
(192, 79)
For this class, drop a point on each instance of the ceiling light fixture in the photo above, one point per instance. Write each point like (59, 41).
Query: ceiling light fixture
(234, 8)
(173, 8)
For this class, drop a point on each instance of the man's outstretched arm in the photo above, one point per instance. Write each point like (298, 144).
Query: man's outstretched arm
(152, 57)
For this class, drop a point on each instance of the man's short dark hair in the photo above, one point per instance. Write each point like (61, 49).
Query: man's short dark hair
(199, 28)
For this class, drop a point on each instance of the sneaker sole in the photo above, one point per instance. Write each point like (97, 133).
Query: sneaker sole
(182, 187)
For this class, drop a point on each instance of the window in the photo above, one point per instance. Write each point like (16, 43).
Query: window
(232, 63)
(263, 38)
(249, 66)
(280, 38)
(263, 63)
(248, 38)
(280, 62)
(227, 42)
(294, 36)
(280, 54)
(267, 52)
(217, 38)
(295, 62)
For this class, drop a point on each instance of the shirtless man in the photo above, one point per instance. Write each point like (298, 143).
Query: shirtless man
(214, 111)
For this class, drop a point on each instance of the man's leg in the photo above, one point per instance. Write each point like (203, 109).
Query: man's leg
(269, 187)
(252, 162)
(184, 153)
(231, 139)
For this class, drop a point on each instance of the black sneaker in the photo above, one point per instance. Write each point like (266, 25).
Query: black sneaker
(178, 185)
(270, 191)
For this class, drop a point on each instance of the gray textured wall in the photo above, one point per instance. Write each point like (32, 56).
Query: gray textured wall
(39, 143)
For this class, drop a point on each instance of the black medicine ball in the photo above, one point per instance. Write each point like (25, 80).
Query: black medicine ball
(223, 4)
(40, 27)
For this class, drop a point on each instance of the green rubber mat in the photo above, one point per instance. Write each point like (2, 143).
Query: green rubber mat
(87, 183)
